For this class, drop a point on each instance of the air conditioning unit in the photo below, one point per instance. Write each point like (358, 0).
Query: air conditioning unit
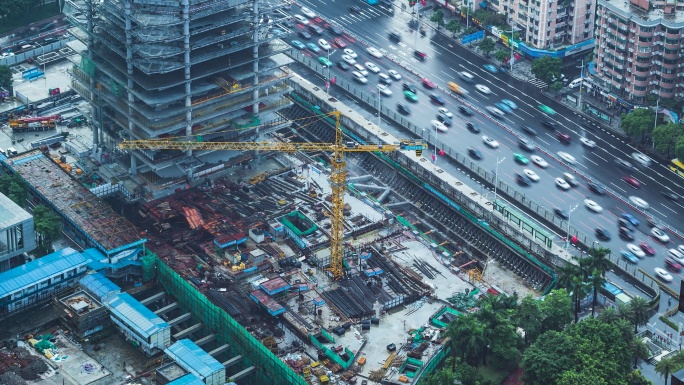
(630, 49)
(632, 30)
(631, 40)
(629, 59)
(629, 69)
(620, 67)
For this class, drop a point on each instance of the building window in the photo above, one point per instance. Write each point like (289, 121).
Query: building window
(672, 31)
(645, 39)
(640, 78)
(670, 61)
(641, 59)
(671, 41)
(647, 29)
(639, 88)
(641, 69)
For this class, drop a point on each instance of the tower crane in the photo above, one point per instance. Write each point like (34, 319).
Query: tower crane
(338, 174)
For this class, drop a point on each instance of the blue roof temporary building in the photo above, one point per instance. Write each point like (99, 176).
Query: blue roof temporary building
(136, 315)
(36, 271)
(198, 362)
(99, 286)
(188, 379)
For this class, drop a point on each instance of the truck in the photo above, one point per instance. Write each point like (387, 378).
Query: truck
(38, 123)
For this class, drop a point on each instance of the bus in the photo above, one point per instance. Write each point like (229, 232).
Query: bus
(677, 166)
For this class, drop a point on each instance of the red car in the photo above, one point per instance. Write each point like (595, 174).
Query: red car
(427, 83)
(632, 181)
(647, 248)
(565, 138)
(673, 265)
(340, 43)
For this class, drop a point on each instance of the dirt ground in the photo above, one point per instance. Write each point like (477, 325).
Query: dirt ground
(506, 280)
(18, 367)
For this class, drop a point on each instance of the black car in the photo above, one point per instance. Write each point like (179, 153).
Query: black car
(622, 222)
(403, 109)
(410, 87)
(523, 179)
(465, 111)
(445, 120)
(560, 213)
(355, 8)
(597, 188)
(549, 124)
(395, 36)
(334, 30)
(343, 66)
(437, 99)
(529, 130)
(305, 35)
(420, 55)
(472, 128)
(474, 153)
(527, 144)
(602, 234)
(670, 195)
(624, 164)
(625, 233)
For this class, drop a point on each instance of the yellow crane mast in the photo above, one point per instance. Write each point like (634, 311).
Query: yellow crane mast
(338, 175)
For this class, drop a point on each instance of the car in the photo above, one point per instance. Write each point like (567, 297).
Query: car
(446, 121)
(527, 144)
(483, 89)
(680, 248)
(670, 195)
(560, 213)
(561, 183)
(490, 142)
(564, 138)
(325, 61)
(374, 52)
(549, 124)
(629, 257)
(636, 250)
(674, 253)
(324, 44)
(427, 83)
(522, 179)
(301, 19)
(630, 218)
(335, 30)
(395, 36)
(348, 59)
(467, 76)
(491, 68)
(350, 53)
(410, 96)
(624, 164)
(409, 87)
(437, 99)
(510, 104)
(384, 78)
(465, 111)
(383, 89)
(445, 111)
(529, 130)
(566, 157)
(420, 55)
(358, 76)
(546, 109)
(355, 8)
(587, 142)
(298, 44)
(340, 43)
(472, 128)
(622, 222)
(602, 233)
(503, 107)
(632, 181)
(596, 188)
(592, 205)
(625, 233)
(372, 67)
(520, 158)
(660, 235)
(648, 249)
(359, 68)
(663, 274)
(403, 109)
(394, 74)
(570, 179)
(497, 113)
(539, 161)
(642, 159)
(315, 29)
(474, 153)
(343, 66)
(673, 265)
(640, 203)
(305, 35)
(531, 174)
(313, 47)
(439, 126)
(308, 13)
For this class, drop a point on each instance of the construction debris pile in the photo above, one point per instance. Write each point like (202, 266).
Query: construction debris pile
(18, 366)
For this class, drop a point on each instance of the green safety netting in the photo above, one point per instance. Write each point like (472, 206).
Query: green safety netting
(299, 223)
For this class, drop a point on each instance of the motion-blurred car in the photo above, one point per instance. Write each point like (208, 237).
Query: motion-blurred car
(629, 257)
(632, 181)
(663, 274)
(491, 68)
(298, 44)
(660, 235)
(490, 142)
(427, 83)
(539, 161)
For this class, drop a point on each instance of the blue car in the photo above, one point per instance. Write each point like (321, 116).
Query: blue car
(630, 218)
(491, 68)
(629, 256)
(313, 47)
(298, 44)
(503, 107)
(510, 104)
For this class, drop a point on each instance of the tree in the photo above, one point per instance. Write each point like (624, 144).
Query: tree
(599, 264)
(470, 30)
(453, 26)
(438, 17)
(529, 318)
(679, 147)
(556, 86)
(638, 312)
(14, 188)
(547, 68)
(609, 315)
(572, 277)
(442, 377)
(670, 365)
(636, 378)
(48, 226)
(638, 123)
(556, 309)
(664, 137)
(547, 358)
(502, 55)
(487, 45)
(5, 77)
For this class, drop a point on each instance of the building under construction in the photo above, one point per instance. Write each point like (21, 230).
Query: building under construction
(192, 67)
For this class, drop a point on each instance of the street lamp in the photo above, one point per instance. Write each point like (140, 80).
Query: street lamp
(496, 175)
(510, 44)
(567, 238)
(327, 79)
(379, 117)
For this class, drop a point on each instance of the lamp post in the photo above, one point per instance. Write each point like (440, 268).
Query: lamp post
(581, 84)
(510, 44)
(379, 117)
(567, 238)
(327, 78)
(496, 175)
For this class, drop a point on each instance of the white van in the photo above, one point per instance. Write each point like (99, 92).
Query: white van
(575, 83)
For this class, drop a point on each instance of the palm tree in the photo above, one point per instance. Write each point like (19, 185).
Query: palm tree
(638, 313)
(609, 315)
(670, 364)
(639, 349)
(599, 259)
(467, 338)
(596, 282)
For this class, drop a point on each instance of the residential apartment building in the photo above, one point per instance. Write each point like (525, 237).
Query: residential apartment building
(548, 24)
(159, 68)
(640, 48)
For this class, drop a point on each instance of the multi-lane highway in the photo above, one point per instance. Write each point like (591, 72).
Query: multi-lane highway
(445, 60)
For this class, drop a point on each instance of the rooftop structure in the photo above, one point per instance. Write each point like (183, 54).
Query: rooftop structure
(193, 67)
(16, 232)
(81, 313)
(198, 362)
(139, 323)
(99, 286)
(92, 220)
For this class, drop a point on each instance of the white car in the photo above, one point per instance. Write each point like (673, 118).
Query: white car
(660, 235)
(484, 89)
(324, 44)
(301, 19)
(348, 59)
(308, 13)
(663, 274)
(680, 248)
(359, 68)
(570, 179)
(531, 174)
(358, 76)
(384, 78)
(445, 111)
(539, 161)
(375, 52)
(497, 113)
(588, 142)
(641, 159)
(372, 67)
(640, 203)
(350, 53)
(674, 253)
(636, 250)
(560, 182)
(384, 90)
(394, 74)
(593, 206)
(490, 142)
(567, 157)
(439, 126)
